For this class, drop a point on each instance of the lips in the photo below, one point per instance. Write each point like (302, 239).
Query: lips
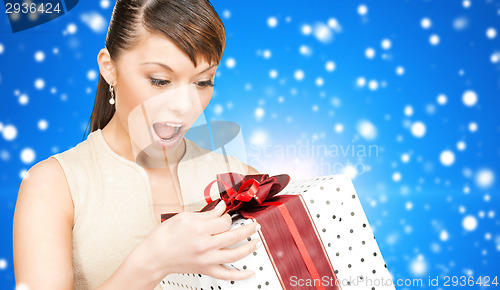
(167, 130)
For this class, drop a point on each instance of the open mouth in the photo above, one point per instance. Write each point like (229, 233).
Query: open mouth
(167, 131)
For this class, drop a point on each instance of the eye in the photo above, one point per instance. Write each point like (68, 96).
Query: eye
(205, 84)
(159, 83)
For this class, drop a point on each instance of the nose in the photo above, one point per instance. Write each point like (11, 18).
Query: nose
(182, 99)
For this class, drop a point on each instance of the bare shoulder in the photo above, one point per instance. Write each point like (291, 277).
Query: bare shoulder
(250, 169)
(42, 228)
(46, 180)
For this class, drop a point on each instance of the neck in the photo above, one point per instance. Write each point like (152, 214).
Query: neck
(118, 139)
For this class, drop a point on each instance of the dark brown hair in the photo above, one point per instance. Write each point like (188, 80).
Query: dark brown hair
(192, 25)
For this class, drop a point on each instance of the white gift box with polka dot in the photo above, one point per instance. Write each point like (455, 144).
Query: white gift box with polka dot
(343, 229)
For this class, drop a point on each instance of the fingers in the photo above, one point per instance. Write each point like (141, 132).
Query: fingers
(235, 236)
(215, 212)
(223, 273)
(219, 225)
(236, 254)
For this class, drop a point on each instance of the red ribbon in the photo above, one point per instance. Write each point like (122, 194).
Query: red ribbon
(247, 191)
(298, 240)
(251, 196)
(251, 192)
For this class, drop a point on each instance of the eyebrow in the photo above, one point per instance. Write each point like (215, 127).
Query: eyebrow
(170, 69)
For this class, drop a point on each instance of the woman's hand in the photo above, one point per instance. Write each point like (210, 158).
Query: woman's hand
(195, 243)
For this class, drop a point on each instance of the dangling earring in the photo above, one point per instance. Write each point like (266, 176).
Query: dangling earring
(112, 99)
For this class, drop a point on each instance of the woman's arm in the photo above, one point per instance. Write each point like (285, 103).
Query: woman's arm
(42, 229)
(42, 236)
(186, 243)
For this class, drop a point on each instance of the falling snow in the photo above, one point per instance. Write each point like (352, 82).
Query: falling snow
(473, 127)
(94, 21)
(9, 132)
(469, 223)
(469, 98)
(330, 66)
(43, 125)
(370, 52)
(39, 84)
(418, 129)
(434, 39)
(485, 178)
(362, 9)
(39, 56)
(367, 130)
(442, 99)
(447, 158)
(425, 23)
(27, 155)
(272, 22)
(230, 63)
(299, 75)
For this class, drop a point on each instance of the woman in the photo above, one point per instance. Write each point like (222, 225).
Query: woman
(90, 216)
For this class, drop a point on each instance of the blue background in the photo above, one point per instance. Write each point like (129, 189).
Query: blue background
(430, 217)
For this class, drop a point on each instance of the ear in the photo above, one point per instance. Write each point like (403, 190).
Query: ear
(106, 66)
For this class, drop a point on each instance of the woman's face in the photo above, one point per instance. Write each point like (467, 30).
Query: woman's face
(160, 94)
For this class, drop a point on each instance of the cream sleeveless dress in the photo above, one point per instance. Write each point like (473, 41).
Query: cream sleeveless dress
(112, 200)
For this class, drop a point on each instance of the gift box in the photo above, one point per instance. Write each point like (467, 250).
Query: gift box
(314, 231)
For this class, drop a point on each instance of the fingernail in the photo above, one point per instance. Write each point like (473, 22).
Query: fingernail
(259, 244)
(253, 275)
(257, 228)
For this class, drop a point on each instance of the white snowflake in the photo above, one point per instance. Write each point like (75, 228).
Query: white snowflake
(408, 110)
(105, 4)
(23, 99)
(9, 132)
(425, 23)
(443, 235)
(396, 176)
(485, 178)
(362, 9)
(39, 84)
(400, 70)
(442, 99)
(447, 158)
(230, 63)
(434, 39)
(27, 155)
(259, 113)
(43, 124)
(361, 82)
(330, 66)
(94, 21)
(71, 28)
(469, 98)
(39, 56)
(469, 223)
(272, 22)
(299, 75)
(306, 29)
(370, 52)
(386, 43)
(373, 85)
(367, 130)
(418, 129)
(473, 127)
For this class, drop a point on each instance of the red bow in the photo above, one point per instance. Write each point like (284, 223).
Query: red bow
(248, 191)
